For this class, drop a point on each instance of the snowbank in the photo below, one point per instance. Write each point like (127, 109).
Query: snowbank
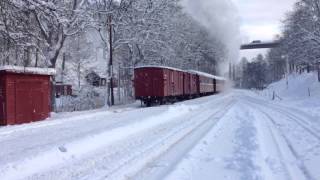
(298, 86)
(302, 91)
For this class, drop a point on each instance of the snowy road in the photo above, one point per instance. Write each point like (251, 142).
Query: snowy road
(236, 135)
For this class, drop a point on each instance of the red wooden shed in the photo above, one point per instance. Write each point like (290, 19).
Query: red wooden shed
(24, 94)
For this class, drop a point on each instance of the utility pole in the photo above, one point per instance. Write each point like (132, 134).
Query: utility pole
(110, 61)
(119, 81)
(234, 72)
(230, 70)
(286, 58)
(63, 66)
(318, 69)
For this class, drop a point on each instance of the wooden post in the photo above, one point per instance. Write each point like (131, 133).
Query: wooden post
(119, 76)
(318, 68)
(274, 96)
(233, 72)
(37, 54)
(79, 75)
(110, 61)
(63, 66)
(230, 70)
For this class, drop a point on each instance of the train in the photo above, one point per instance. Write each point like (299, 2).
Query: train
(160, 84)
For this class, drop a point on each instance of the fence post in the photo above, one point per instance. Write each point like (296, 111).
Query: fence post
(318, 68)
(273, 95)
(119, 81)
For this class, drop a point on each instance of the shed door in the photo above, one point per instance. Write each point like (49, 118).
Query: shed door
(29, 101)
(23, 106)
(37, 104)
(2, 104)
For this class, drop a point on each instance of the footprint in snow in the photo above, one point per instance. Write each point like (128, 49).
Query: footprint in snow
(62, 149)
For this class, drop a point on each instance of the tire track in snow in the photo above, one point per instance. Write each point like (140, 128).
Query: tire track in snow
(183, 146)
(6, 131)
(299, 121)
(273, 136)
(159, 148)
(267, 124)
(300, 163)
(293, 151)
(54, 158)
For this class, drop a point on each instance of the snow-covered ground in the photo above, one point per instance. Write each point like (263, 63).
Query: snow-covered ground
(302, 91)
(235, 135)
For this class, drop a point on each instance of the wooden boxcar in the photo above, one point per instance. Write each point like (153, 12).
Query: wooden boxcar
(208, 83)
(194, 85)
(158, 84)
(186, 84)
(164, 84)
(220, 84)
(24, 94)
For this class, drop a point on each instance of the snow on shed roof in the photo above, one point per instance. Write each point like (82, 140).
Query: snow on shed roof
(207, 75)
(28, 70)
(164, 67)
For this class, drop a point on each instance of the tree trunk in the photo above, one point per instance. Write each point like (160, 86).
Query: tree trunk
(107, 100)
(37, 54)
(56, 51)
(63, 66)
(79, 76)
(7, 59)
(318, 67)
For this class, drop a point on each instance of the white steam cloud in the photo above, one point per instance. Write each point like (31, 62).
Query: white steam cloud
(221, 18)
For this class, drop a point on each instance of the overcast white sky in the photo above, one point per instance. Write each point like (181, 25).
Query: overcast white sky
(261, 20)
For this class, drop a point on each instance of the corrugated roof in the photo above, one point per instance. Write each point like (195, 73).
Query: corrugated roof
(164, 67)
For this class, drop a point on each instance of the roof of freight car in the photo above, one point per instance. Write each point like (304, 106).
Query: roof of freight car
(207, 75)
(162, 67)
(190, 71)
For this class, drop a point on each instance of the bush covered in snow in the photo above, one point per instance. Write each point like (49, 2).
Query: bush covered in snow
(86, 98)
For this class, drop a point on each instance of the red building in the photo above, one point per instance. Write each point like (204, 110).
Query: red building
(24, 94)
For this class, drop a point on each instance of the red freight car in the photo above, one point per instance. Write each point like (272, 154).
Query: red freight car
(165, 84)
(209, 84)
(194, 85)
(24, 94)
(220, 84)
(158, 84)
